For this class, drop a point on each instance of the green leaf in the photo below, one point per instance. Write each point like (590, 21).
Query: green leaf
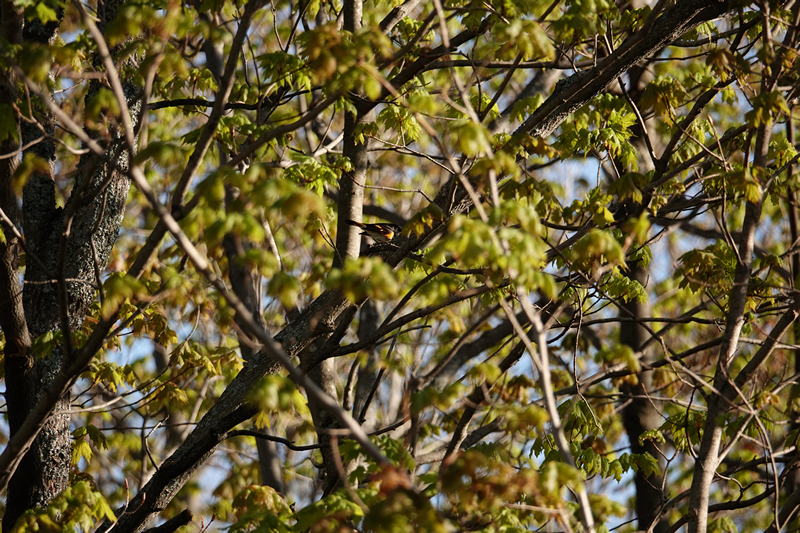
(45, 13)
(334, 507)
(87, 508)
(722, 524)
(81, 450)
(120, 288)
(664, 94)
(766, 107)
(620, 353)
(711, 268)
(365, 277)
(285, 287)
(8, 123)
(596, 248)
(277, 394)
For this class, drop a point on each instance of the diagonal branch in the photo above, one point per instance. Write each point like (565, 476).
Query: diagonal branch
(575, 91)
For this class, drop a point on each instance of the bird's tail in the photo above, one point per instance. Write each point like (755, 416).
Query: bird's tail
(357, 224)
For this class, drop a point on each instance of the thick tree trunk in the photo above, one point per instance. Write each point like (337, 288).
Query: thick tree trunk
(18, 361)
(71, 245)
(368, 373)
(639, 414)
(348, 246)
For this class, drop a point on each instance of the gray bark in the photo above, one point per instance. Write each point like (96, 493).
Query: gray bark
(369, 320)
(72, 244)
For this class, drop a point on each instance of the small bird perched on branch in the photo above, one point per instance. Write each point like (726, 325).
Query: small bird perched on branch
(382, 232)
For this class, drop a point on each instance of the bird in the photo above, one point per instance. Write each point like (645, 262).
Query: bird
(381, 232)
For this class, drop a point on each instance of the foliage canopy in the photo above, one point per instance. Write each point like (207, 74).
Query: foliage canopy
(588, 321)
